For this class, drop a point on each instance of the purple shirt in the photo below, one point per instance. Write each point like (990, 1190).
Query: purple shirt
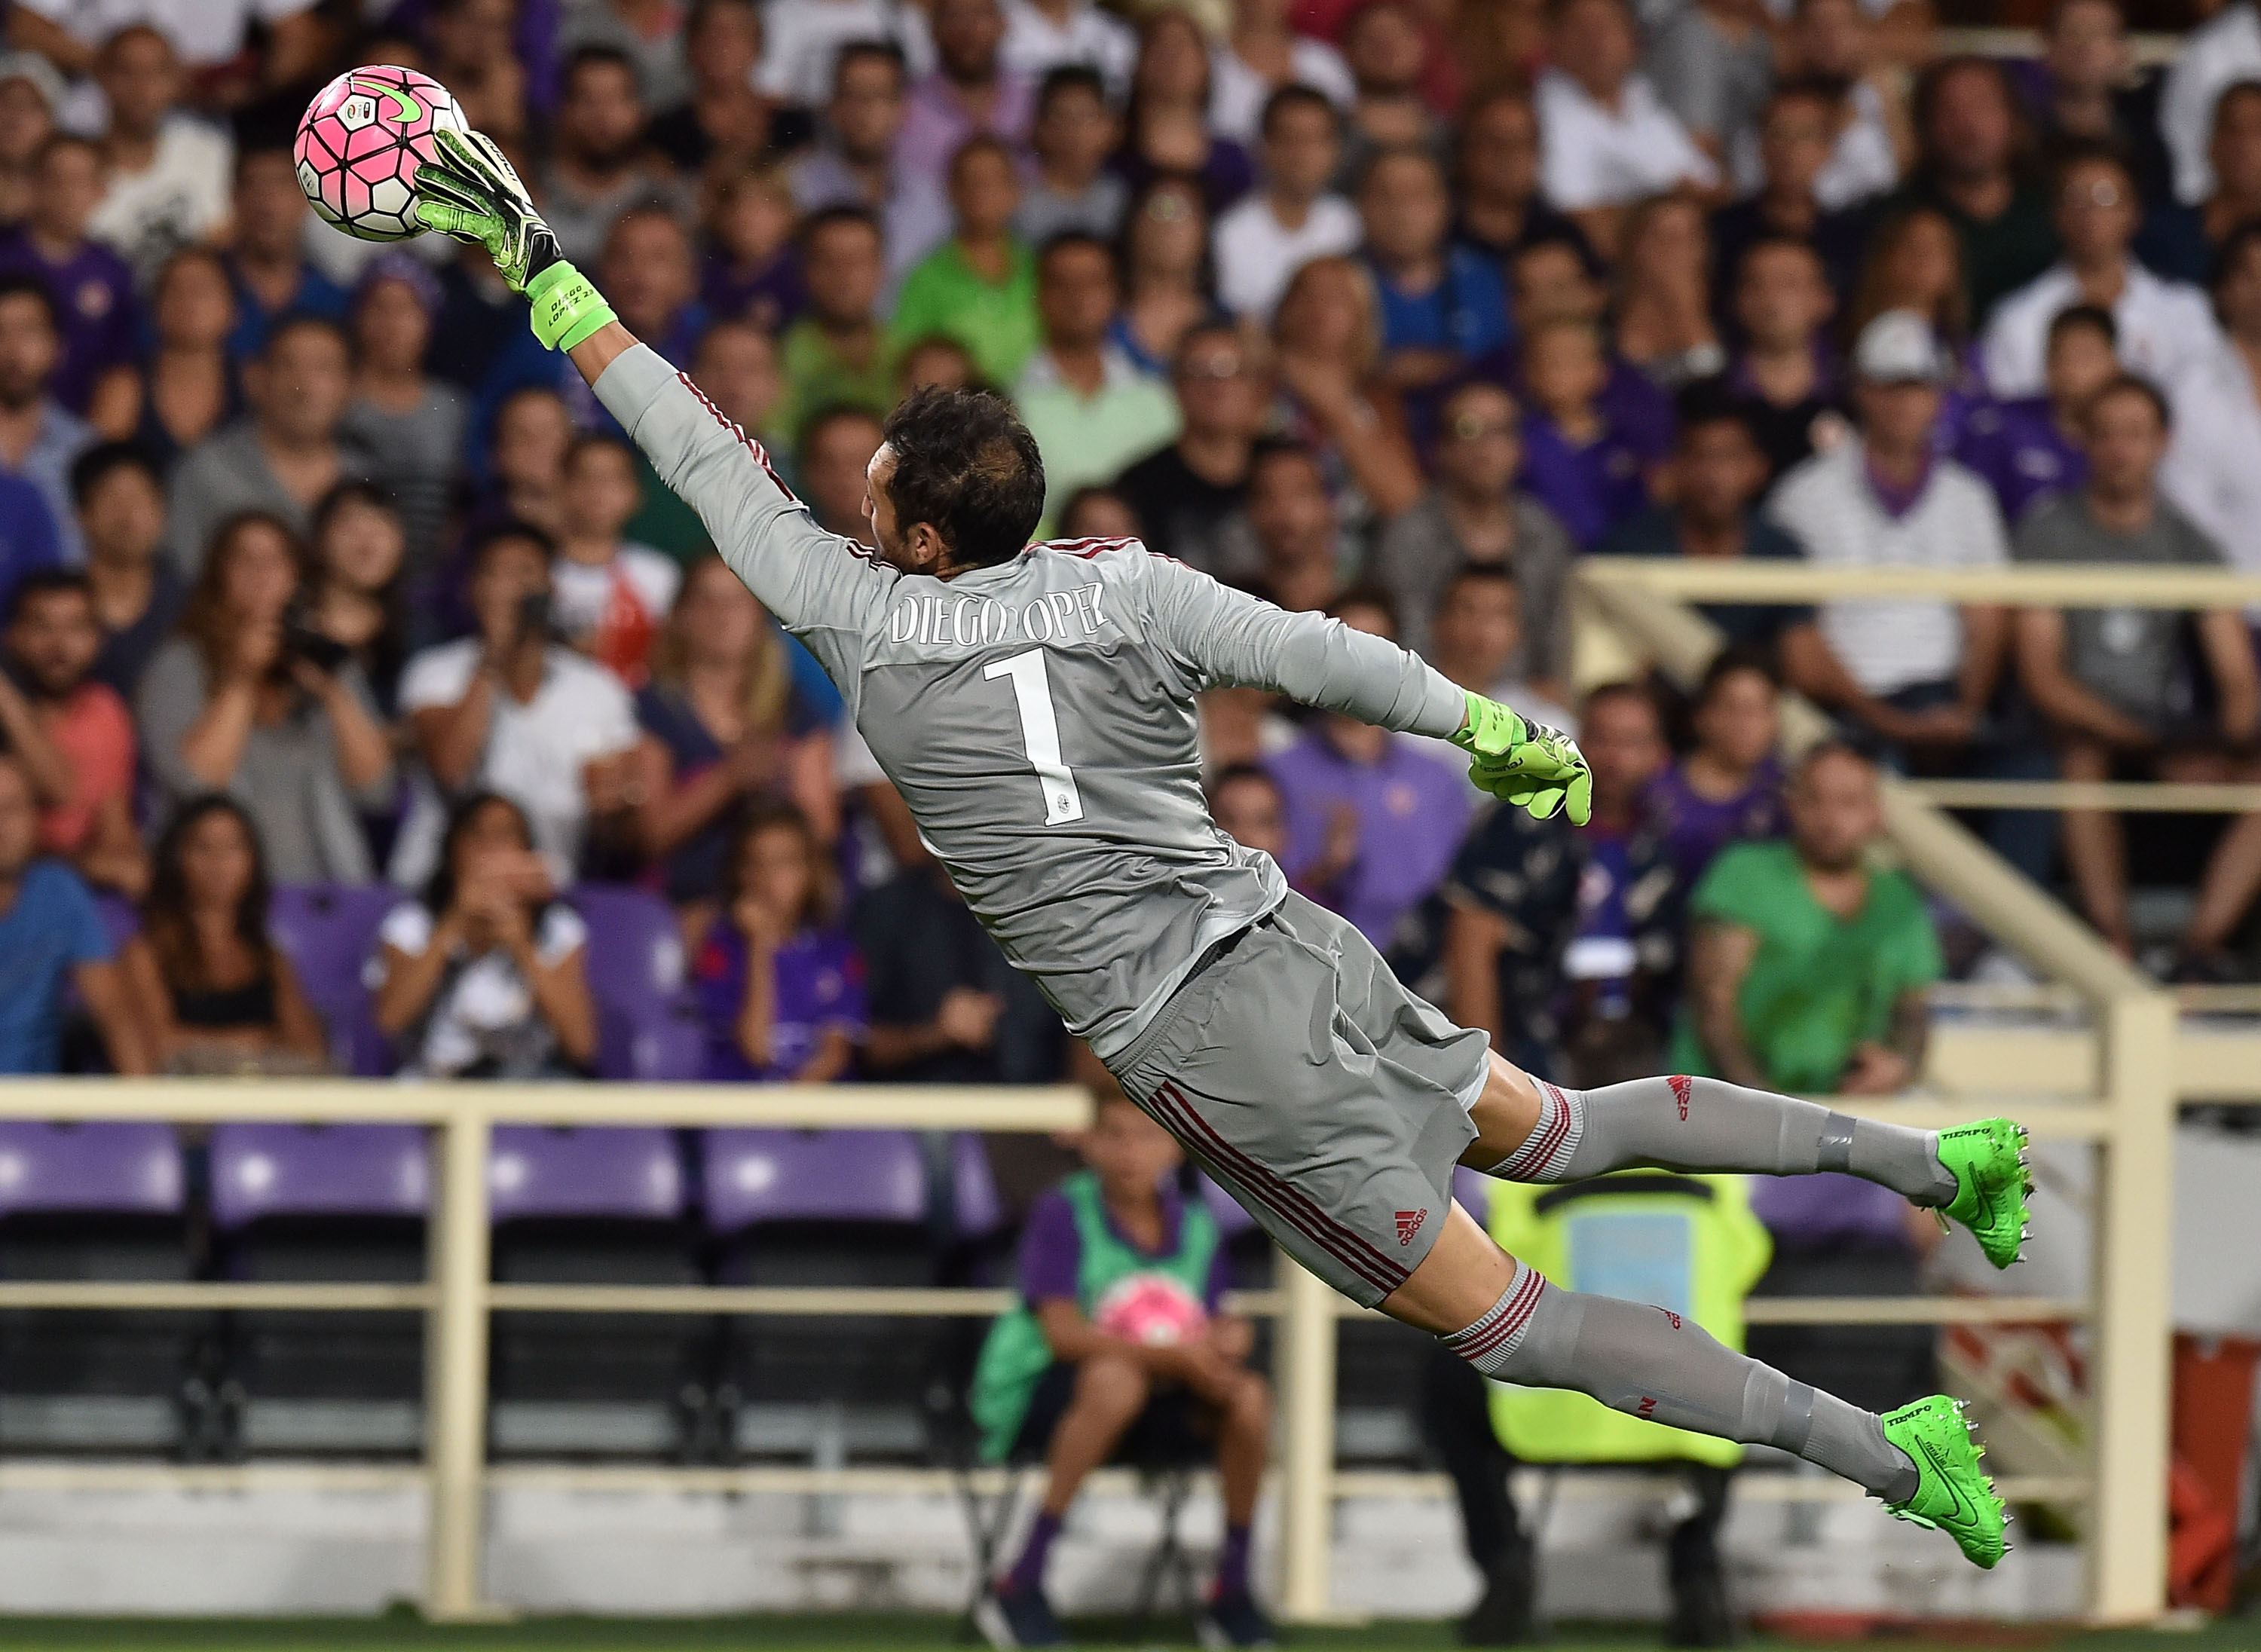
(771, 298)
(935, 123)
(820, 986)
(2018, 449)
(1411, 811)
(1819, 1212)
(1696, 828)
(1051, 1250)
(1592, 489)
(93, 290)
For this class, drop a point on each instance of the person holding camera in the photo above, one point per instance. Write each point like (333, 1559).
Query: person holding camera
(512, 710)
(249, 700)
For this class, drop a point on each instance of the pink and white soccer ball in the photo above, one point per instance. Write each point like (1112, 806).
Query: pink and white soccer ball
(1153, 1310)
(359, 145)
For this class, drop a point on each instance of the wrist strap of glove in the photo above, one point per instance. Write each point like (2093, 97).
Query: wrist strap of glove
(567, 306)
(1490, 728)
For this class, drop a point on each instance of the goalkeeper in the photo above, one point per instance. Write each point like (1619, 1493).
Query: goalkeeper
(1035, 706)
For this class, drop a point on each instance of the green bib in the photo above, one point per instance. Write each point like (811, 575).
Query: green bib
(1016, 1355)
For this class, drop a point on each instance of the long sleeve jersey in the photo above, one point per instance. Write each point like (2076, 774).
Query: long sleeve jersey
(1037, 715)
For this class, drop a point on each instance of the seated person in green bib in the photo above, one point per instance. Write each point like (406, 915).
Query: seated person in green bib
(1119, 1341)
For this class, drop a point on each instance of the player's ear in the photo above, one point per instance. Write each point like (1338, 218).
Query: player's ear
(926, 547)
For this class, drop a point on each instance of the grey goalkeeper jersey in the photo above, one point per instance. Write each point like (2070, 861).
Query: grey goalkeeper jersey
(1037, 716)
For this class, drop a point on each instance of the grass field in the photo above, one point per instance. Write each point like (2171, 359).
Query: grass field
(402, 1632)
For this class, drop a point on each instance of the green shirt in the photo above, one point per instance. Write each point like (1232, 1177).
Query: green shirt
(664, 521)
(997, 324)
(1818, 984)
(2000, 254)
(816, 377)
(1087, 440)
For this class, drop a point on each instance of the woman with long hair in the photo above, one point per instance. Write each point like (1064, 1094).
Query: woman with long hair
(1916, 263)
(188, 387)
(1326, 340)
(721, 732)
(1168, 284)
(411, 424)
(211, 991)
(243, 700)
(1664, 293)
(1165, 125)
(484, 977)
(355, 584)
(779, 983)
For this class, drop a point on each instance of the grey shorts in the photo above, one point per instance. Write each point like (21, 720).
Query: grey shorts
(1328, 1100)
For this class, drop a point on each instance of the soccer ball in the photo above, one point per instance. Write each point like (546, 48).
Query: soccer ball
(1152, 1309)
(360, 143)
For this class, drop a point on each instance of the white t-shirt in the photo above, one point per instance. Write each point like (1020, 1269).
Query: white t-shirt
(2218, 54)
(1590, 156)
(2213, 471)
(1035, 45)
(1257, 257)
(483, 1014)
(535, 751)
(1828, 505)
(800, 38)
(1238, 93)
(180, 198)
(2166, 327)
(584, 592)
(201, 31)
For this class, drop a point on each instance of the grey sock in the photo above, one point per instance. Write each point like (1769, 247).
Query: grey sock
(1654, 1363)
(1677, 1122)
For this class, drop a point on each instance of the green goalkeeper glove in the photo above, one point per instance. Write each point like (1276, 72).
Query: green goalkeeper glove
(1525, 764)
(470, 191)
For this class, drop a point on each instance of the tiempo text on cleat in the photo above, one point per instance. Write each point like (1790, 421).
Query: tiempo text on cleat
(1988, 1162)
(1953, 1494)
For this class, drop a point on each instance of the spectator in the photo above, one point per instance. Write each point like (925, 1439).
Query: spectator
(1970, 171)
(652, 38)
(1606, 137)
(2216, 55)
(1442, 305)
(1044, 35)
(1245, 802)
(978, 287)
(410, 425)
(1298, 546)
(266, 259)
(1914, 264)
(2164, 326)
(2212, 471)
(1166, 273)
(484, 977)
(1497, 199)
(1262, 55)
(281, 459)
(212, 993)
(136, 596)
(855, 165)
(1165, 125)
(1097, 512)
(1786, 378)
(1712, 66)
(1914, 673)
(724, 730)
(752, 271)
(651, 274)
(970, 90)
(1479, 645)
(1563, 942)
(474, 55)
(2091, 93)
(2108, 681)
(937, 363)
(1834, 44)
(805, 44)
(72, 735)
(1663, 324)
(352, 598)
(611, 598)
(232, 66)
(1577, 462)
(1718, 472)
(31, 93)
(1373, 819)
(1386, 48)
(53, 941)
(1728, 788)
(1326, 343)
(1793, 154)
(188, 387)
(1075, 131)
(1294, 217)
(29, 539)
(532, 431)
(721, 120)
(239, 703)
(1556, 278)
(1184, 494)
(736, 367)
(1063, 1373)
(92, 288)
(1089, 409)
(835, 451)
(599, 164)
(38, 439)
(2030, 449)
(839, 353)
(780, 989)
(1475, 513)
(2235, 151)
(167, 172)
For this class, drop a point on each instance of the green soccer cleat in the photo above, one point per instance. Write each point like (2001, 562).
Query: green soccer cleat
(1990, 1184)
(1953, 1494)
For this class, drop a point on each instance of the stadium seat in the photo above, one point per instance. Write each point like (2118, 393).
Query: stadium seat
(646, 1028)
(605, 1207)
(330, 1202)
(97, 1202)
(824, 1207)
(329, 930)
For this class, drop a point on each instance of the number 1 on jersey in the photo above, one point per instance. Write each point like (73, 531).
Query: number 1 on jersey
(1032, 692)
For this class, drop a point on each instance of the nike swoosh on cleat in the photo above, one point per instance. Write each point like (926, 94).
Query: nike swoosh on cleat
(406, 109)
(1962, 1509)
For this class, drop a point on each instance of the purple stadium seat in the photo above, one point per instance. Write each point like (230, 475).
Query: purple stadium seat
(119, 1168)
(628, 1173)
(1473, 1191)
(1231, 1220)
(754, 1177)
(977, 1213)
(335, 1170)
(330, 932)
(646, 1028)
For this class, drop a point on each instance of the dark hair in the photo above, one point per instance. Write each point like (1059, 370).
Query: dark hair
(1069, 241)
(1367, 594)
(1822, 752)
(1212, 328)
(594, 56)
(1813, 89)
(43, 583)
(980, 143)
(165, 916)
(92, 469)
(2131, 384)
(587, 441)
(859, 51)
(2247, 87)
(1711, 401)
(1063, 78)
(776, 813)
(1622, 688)
(299, 321)
(1074, 505)
(831, 413)
(1739, 658)
(1568, 240)
(2084, 152)
(831, 217)
(1778, 243)
(250, 154)
(1924, 109)
(2094, 317)
(34, 288)
(1296, 95)
(1482, 573)
(440, 888)
(2233, 249)
(517, 530)
(1415, 152)
(967, 467)
(56, 140)
(1233, 773)
(205, 619)
(1271, 449)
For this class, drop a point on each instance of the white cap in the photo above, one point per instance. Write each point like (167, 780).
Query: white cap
(1900, 347)
(46, 79)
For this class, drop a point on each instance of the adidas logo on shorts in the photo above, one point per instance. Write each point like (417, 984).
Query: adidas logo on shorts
(1408, 1224)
